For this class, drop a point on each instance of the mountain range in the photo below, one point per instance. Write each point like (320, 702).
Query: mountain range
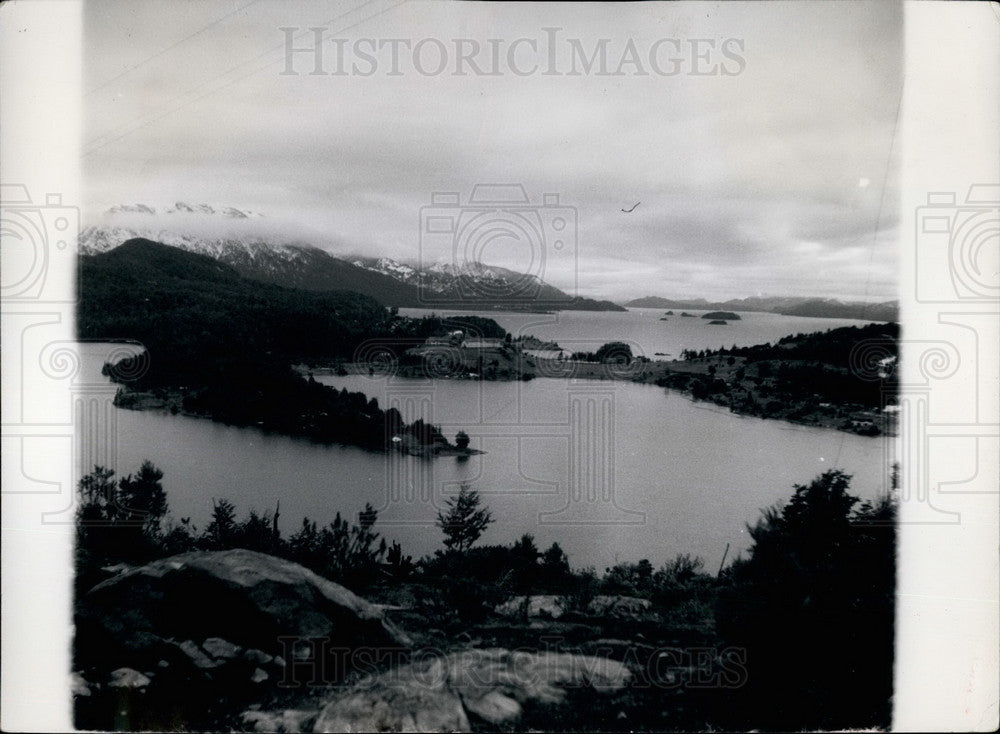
(824, 308)
(470, 286)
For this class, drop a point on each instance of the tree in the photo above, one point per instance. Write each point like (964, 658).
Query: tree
(221, 531)
(524, 563)
(820, 577)
(464, 521)
(118, 520)
(142, 498)
(614, 352)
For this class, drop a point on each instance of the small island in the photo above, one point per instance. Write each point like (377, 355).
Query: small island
(722, 315)
(688, 315)
(717, 322)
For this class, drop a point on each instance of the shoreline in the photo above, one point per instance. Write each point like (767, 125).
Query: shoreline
(816, 415)
(171, 402)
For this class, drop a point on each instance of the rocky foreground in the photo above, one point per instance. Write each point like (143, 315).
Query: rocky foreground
(241, 640)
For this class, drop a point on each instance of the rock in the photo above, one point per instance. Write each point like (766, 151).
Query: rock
(128, 678)
(217, 627)
(619, 606)
(240, 597)
(439, 694)
(79, 685)
(259, 676)
(553, 607)
(198, 656)
(257, 657)
(542, 605)
(289, 720)
(221, 649)
(494, 707)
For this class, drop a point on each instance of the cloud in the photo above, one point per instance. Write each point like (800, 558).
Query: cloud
(748, 183)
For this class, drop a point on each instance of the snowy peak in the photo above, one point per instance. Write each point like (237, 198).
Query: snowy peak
(226, 211)
(132, 209)
(181, 207)
(443, 277)
(95, 240)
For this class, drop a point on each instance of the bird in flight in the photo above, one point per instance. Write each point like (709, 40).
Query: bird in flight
(629, 211)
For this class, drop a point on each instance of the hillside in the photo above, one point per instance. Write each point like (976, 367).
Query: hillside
(477, 286)
(842, 377)
(291, 265)
(190, 309)
(474, 286)
(221, 346)
(823, 308)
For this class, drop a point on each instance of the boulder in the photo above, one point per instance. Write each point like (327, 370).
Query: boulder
(439, 694)
(541, 605)
(217, 626)
(549, 606)
(619, 606)
(223, 601)
(128, 678)
(220, 649)
(289, 720)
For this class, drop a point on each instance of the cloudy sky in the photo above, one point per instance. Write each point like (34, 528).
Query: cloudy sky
(757, 137)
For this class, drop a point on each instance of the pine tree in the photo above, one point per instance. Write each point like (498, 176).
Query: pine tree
(464, 521)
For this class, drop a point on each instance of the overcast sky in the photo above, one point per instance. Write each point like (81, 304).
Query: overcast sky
(773, 176)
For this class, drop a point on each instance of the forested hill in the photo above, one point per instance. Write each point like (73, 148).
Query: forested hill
(194, 313)
(221, 346)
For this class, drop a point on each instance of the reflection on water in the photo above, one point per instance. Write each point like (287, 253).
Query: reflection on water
(612, 471)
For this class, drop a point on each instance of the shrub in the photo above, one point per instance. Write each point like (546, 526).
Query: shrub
(814, 606)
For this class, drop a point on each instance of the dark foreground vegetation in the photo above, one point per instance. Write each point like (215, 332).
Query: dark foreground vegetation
(797, 634)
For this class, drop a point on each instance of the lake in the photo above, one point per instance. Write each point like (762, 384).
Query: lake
(612, 471)
(641, 328)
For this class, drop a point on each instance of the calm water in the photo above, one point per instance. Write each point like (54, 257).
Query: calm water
(612, 471)
(641, 327)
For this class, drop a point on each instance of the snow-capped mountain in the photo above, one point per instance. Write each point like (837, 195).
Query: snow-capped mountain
(477, 285)
(443, 277)
(291, 264)
(182, 207)
(298, 264)
(94, 240)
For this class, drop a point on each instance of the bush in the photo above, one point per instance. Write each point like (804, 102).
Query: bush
(118, 520)
(814, 606)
